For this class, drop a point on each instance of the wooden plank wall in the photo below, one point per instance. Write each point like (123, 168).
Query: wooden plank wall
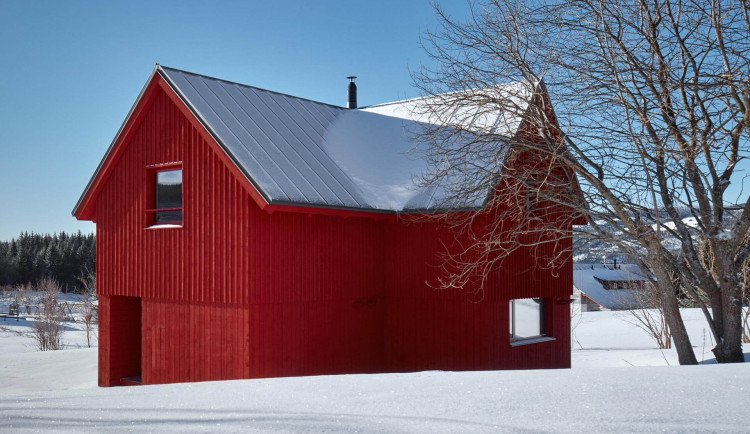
(199, 342)
(227, 244)
(429, 328)
(237, 292)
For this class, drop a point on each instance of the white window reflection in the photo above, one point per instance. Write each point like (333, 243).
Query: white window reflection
(526, 318)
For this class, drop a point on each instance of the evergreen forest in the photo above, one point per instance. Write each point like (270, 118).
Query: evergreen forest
(63, 257)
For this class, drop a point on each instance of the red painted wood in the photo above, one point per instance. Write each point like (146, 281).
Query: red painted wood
(119, 339)
(241, 292)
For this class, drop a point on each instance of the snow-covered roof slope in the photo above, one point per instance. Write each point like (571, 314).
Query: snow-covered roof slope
(588, 278)
(376, 153)
(297, 151)
(497, 109)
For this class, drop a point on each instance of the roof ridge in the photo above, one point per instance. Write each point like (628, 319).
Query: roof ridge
(251, 86)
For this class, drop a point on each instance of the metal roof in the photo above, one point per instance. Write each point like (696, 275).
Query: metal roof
(297, 151)
(587, 279)
(303, 152)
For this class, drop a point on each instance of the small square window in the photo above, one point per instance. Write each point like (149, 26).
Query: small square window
(168, 196)
(526, 318)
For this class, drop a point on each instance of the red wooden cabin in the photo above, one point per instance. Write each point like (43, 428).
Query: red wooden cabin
(243, 233)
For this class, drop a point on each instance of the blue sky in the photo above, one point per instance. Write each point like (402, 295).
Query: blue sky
(70, 72)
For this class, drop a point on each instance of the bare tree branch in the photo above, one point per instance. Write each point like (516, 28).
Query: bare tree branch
(650, 125)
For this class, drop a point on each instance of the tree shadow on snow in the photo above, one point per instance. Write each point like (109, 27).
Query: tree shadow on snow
(41, 416)
(714, 362)
(25, 324)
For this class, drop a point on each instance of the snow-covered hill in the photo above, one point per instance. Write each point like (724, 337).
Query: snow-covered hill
(588, 250)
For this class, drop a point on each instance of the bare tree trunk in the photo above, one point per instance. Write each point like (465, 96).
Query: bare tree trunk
(746, 301)
(682, 344)
(672, 315)
(729, 349)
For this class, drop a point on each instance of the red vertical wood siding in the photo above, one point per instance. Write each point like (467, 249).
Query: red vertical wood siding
(238, 292)
(427, 328)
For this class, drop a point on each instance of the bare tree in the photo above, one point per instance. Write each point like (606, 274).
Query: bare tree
(649, 316)
(48, 323)
(24, 297)
(576, 317)
(650, 127)
(89, 309)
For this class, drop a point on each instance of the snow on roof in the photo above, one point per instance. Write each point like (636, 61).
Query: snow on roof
(497, 109)
(588, 278)
(298, 151)
(376, 153)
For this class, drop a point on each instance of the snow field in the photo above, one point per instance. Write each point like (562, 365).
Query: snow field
(619, 382)
(15, 336)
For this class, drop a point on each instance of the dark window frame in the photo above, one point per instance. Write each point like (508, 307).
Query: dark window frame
(160, 215)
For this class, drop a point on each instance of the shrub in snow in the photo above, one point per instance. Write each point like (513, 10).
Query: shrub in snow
(48, 328)
(89, 308)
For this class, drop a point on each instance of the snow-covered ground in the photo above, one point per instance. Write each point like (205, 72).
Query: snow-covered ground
(15, 335)
(619, 382)
(603, 339)
(74, 335)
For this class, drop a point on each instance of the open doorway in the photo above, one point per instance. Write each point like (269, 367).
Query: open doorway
(125, 339)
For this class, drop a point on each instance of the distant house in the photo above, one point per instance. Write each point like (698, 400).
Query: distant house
(247, 233)
(608, 286)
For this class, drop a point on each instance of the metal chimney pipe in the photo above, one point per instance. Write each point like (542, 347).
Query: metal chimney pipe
(351, 97)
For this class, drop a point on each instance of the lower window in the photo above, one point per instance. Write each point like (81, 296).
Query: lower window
(526, 318)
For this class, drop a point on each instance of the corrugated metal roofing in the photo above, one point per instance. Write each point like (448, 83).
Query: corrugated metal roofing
(585, 280)
(298, 151)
